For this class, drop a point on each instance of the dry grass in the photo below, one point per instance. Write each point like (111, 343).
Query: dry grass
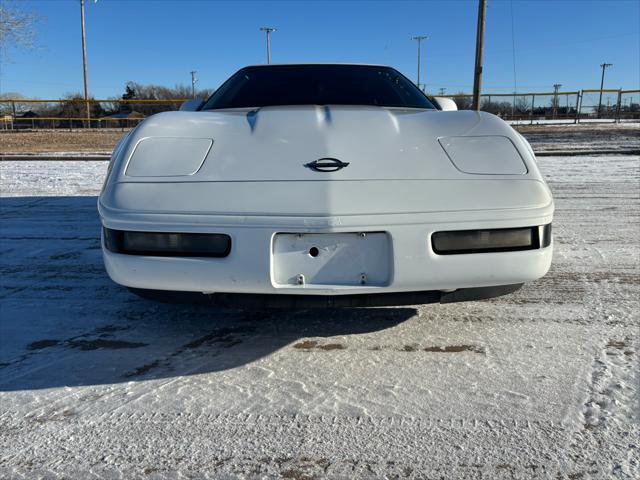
(59, 141)
(583, 129)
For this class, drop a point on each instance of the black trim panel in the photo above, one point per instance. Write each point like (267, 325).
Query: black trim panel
(256, 300)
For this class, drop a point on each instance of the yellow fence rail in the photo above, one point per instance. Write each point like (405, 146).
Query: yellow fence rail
(92, 100)
(517, 94)
(76, 119)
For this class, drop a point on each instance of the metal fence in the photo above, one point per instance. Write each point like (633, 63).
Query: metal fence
(521, 108)
(559, 107)
(70, 114)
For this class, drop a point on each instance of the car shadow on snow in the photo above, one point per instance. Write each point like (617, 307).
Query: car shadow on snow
(63, 322)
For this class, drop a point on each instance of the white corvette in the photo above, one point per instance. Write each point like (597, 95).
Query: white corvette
(324, 185)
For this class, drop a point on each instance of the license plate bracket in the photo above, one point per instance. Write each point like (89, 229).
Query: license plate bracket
(331, 259)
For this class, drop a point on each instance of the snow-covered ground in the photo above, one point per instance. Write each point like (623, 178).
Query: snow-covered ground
(96, 383)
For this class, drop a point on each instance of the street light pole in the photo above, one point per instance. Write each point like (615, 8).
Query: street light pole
(84, 63)
(477, 76)
(419, 39)
(604, 66)
(193, 83)
(556, 87)
(268, 31)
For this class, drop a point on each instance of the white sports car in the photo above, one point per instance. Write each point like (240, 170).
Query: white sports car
(324, 185)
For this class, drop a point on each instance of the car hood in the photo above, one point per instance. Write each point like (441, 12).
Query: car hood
(277, 144)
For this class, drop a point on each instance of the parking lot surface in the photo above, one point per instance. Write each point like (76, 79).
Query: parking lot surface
(97, 383)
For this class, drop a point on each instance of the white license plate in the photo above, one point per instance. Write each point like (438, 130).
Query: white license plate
(324, 259)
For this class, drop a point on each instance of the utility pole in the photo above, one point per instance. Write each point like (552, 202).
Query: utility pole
(84, 64)
(193, 83)
(477, 77)
(556, 87)
(419, 39)
(604, 66)
(268, 31)
(442, 91)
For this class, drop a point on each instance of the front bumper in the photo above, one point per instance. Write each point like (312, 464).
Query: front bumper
(249, 267)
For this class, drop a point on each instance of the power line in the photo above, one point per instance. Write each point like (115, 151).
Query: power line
(547, 45)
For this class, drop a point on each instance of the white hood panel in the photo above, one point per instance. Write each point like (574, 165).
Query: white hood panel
(274, 143)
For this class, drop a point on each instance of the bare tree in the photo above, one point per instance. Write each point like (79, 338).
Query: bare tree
(136, 91)
(17, 28)
(74, 107)
(463, 102)
(9, 108)
(523, 105)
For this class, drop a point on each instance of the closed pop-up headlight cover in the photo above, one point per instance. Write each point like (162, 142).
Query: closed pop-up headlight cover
(168, 156)
(484, 155)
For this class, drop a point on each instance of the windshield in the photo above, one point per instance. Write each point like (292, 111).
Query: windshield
(264, 86)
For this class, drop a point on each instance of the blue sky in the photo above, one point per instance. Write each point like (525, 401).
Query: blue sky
(161, 41)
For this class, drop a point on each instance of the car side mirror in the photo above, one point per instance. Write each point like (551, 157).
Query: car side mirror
(445, 104)
(191, 105)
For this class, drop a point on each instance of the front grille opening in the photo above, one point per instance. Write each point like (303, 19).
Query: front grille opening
(167, 244)
(491, 240)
